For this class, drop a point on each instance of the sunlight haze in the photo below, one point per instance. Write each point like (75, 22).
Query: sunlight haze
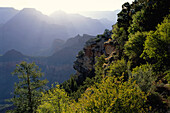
(71, 6)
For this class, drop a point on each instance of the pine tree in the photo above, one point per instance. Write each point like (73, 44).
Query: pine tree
(28, 90)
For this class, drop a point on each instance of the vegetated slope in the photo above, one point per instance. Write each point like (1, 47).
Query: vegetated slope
(137, 49)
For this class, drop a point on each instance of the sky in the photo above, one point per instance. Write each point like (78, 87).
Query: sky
(70, 6)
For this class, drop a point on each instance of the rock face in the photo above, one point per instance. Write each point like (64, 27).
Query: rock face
(84, 65)
(109, 47)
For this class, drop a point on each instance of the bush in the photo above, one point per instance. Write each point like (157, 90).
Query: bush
(54, 101)
(112, 95)
(144, 77)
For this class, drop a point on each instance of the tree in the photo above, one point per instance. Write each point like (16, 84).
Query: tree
(137, 22)
(156, 47)
(99, 69)
(123, 16)
(119, 37)
(28, 90)
(118, 68)
(144, 77)
(134, 47)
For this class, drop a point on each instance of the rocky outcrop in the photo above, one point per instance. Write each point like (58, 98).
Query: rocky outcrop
(84, 65)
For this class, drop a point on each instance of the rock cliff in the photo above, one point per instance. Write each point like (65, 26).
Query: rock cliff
(85, 62)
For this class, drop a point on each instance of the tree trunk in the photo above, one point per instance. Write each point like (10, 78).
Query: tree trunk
(29, 95)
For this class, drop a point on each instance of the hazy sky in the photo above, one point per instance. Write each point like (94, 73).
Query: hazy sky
(49, 6)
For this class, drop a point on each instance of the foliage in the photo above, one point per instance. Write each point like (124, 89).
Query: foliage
(124, 17)
(156, 47)
(154, 12)
(5, 107)
(119, 34)
(137, 21)
(144, 77)
(54, 100)
(107, 34)
(167, 77)
(99, 69)
(112, 95)
(134, 46)
(75, 90)
(70, 85)
(135, 39)
(118, 68)
(80, 54)
(28, 90)
(119, 37)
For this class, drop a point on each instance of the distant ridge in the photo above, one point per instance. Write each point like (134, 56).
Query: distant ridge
(31, 32)
(6, 13)
(110, 15)
(12, 55)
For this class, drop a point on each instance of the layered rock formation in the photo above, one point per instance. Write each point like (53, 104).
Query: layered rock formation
(84, 65)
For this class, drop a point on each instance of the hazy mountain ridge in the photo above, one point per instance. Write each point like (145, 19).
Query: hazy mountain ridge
(28, 31)
(6, 14)
(31, 32)
(74, 22)
(109, 15)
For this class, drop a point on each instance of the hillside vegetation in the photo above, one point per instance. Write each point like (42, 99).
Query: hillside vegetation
(125, 70)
